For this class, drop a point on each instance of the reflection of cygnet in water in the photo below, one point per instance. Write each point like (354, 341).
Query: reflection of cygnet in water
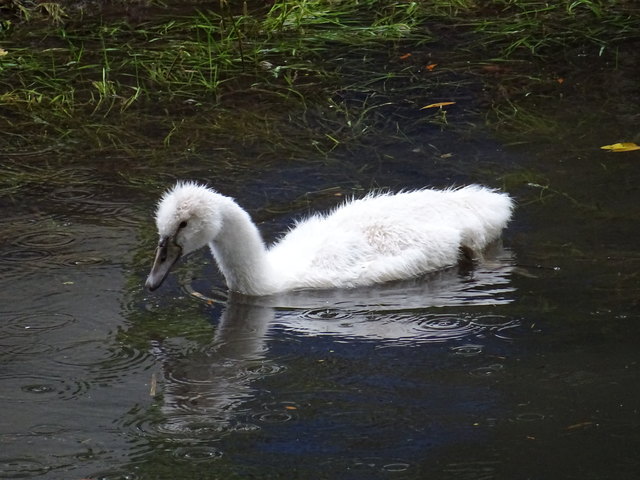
(379, 238)
(207, 386)
(203, 387)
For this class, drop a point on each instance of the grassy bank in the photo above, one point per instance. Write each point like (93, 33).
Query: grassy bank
(287, 75)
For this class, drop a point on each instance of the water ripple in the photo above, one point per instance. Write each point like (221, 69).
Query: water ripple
(113, 475)
(488, 370)
(181, 427)
(190, 379)
(21, 467)
(373, 465)
(41, 243)
(47, 429)
(85, 260)
(31, 259)
(276, 413)
(34, 323)
(188, 427)
(492, 321)
(441, 328)
(107, 358)
(72, 194)
(467, 350)
(40, 388)
(106, 362)
(508, 332)
(45, 239)
(260, 369)
(396, 467)
(273, 417)
(197, 453)
(27, 349)
(327, 314)
(83, 200)
(21, 255)
(529, 417)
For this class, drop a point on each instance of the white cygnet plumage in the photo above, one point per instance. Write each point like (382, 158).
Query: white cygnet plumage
(378, 238)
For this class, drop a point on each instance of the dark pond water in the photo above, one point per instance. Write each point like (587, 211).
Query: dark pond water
(523, 368)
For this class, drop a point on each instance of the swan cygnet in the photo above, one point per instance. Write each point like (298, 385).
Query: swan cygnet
(378, 238)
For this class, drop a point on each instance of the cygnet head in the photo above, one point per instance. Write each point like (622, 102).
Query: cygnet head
(187, 219)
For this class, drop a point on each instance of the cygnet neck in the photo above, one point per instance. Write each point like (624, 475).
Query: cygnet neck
(241, 253)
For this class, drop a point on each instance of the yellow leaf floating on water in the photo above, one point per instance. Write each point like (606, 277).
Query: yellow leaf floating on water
(621, 147)
(436, 105)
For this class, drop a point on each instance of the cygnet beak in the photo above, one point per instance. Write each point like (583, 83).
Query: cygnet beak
(167, 253)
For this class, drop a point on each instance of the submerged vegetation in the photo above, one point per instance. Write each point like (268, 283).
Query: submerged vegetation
(286, 74)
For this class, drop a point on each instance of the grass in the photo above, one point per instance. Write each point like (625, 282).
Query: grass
(329, 74)
(525, 27)
(205, 59)
(538, 28)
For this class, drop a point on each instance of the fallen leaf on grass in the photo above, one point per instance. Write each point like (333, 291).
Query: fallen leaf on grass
(3, 52)
(431, 66)
(436, 105)
(621, 147)
(405, 56)
(495, 68)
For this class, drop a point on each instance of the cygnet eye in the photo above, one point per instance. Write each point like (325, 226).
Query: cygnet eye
(182, 225)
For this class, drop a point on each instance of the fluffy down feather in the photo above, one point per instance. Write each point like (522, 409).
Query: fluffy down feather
(378, 238)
